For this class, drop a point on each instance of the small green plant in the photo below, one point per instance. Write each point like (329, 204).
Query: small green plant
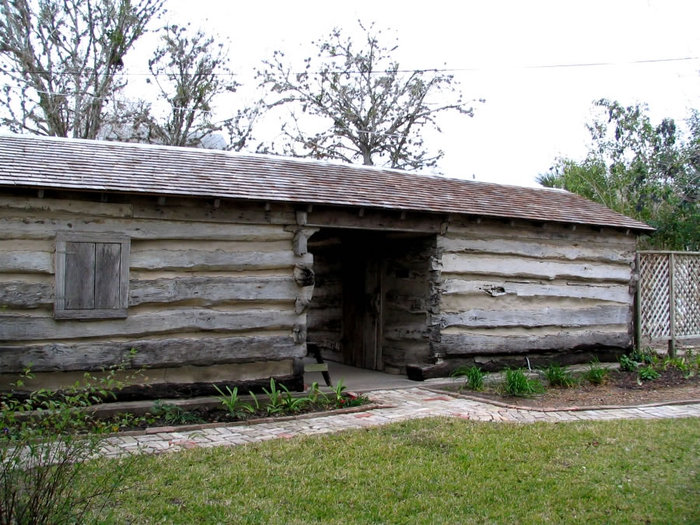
(627, 364)
(518, 384)
(173, 414)
(559, 376)
(596, 374)
(293, 404)
(688, 364)
(342, 399)
(473, 377)
(315, 395)
(646, 356)
(274, 405)
(647, 373)
(233, 402)
(256, 402)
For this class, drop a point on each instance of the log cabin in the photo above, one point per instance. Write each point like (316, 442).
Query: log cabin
(227, 268)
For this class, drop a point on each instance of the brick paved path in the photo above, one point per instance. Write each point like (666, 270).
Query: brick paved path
(411, 403)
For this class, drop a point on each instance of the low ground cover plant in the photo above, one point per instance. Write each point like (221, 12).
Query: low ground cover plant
(559, 376)
(596, 374)
(649, 367)
(518, 384)
(473, 377)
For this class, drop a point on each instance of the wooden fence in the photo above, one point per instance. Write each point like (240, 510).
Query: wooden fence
(668, 297)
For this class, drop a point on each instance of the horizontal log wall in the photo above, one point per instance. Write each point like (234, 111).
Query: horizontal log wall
(325, 315)
(209, 284)
(523, 288)
(409, 300)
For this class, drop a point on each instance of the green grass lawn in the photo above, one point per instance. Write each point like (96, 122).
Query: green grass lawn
(431, 471)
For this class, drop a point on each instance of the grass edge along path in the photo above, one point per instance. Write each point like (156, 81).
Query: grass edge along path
(435, 470)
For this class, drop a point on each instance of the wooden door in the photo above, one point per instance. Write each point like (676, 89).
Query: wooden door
(362, 301)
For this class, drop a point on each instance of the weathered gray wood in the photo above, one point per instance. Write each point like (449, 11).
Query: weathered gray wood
(20, 294)
(455, 345)
(108, 275)
(537, 248)
(150, 353)
(301, 304)
(545, 316)
(203, 211)
(26, 262)
(490, 228)
(91, 275)
(324, 318)
(72, 206)
(39, 227)
(213, 261)
(79, 280)
(409, 332)
(373, 220)
(530, 268)
(304, 274)
(212, 290)
(618, 293)
(301, 239)
(26, 328)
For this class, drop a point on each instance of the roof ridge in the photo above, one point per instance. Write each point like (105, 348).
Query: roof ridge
(124, 167)
(270, 156)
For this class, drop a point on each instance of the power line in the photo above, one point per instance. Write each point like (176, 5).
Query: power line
(447, 70)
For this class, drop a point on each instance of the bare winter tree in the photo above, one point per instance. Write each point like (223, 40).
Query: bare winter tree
(367, 109)
(60, 61)
(191, 73)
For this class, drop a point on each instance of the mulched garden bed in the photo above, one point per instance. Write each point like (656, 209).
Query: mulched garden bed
(623, 388)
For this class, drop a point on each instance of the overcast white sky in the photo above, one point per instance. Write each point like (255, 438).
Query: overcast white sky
(532, 114)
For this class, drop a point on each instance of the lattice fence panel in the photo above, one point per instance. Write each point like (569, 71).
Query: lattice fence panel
(660, 291)
(654, 308)
(687, 294)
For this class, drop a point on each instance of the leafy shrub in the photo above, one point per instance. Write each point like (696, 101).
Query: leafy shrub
(559, 376)
(518, 384)
(596, 374)
(627, 364)
(647, 373)
(647, 356)
(474, 377)
(46, 442)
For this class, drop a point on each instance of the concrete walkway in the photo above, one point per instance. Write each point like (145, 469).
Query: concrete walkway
(398, 405)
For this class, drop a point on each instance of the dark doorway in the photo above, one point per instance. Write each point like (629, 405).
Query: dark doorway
(373, 298)
(361, 277)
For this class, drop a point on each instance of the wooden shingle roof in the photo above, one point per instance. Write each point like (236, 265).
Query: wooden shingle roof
(85, 165)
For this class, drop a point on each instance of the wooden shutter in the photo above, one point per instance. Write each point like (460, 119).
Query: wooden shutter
(91, 275)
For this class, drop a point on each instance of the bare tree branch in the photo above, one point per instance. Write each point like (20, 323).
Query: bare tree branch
(364, 109)
(60, 61)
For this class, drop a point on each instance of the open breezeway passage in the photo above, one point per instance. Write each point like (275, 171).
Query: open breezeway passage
(399, 405)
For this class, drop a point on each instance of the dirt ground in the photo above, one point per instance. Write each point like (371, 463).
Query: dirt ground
(621, 389)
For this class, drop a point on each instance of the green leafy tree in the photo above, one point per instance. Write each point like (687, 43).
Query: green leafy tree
(353, 102)
(642, 170)
(60, 61)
